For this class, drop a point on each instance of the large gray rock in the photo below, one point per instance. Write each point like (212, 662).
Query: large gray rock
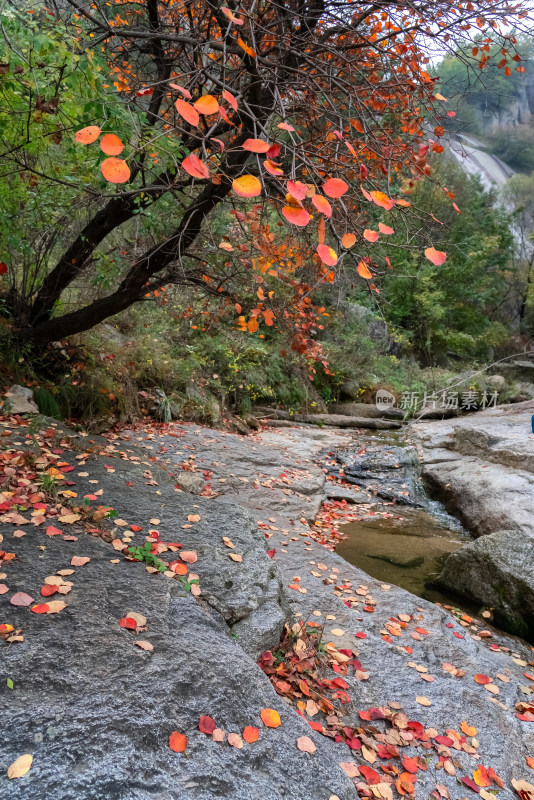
(19, 400)
(342, 421)
(496, 571)
(366, 410)
(190, 482)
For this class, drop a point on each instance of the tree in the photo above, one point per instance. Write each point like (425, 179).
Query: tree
(456, 307)
(312, 111)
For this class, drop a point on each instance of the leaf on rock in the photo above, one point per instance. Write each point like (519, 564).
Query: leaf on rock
(251, 734)
(178, 742)
(235, 740)
(206, 724)
(144, 645)
(305, 744)
(21, 599)
(20, 767)
(79, 561)
(189, 556)
(270, 718)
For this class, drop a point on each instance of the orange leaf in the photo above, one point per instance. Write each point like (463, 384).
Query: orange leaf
(371, 236)
(335, 187)
(178, 742)
(270, 718)
(251, 734)
(284, 126)
(321, 230)
(87, 135)
(187, 112)
(253, 325)
(297, 189)
(230, 99)
(530, 761)
(41, 608)
(273, 167)
(327, 255)
(256, 146)
(231, 16)
(385, 229)
(115, 170)
(480, 776)
(363, 271)
(435, 256)
(247, 186)
(111, 145)
(382, 200)
(482, 679)
(322, 205)
(348, 240)
(186, 93)
(244, 46)
(207, 104)
(195, 167)
(296, 215)
(469, 730)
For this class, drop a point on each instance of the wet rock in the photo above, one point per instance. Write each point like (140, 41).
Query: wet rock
(399, 561)
(342, 421)
(19, 400)
(190, 482)
(496, 571)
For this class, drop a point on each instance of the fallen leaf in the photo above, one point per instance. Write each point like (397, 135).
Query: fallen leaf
(235, 556)
(55, 606)
(270, 718)
(20, 767)
(235, 740)
(21, 599)
(251, 734)
(144, 645)
(139, 618)
(178, 742)
(68, 519)
(128, 622)
(218, 735)
(469, 730)
(305, 744)
(206, 724)
(79, 561)
(423, 701)
(189, 556)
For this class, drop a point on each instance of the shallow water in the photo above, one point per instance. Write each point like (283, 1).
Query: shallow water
(407, 549)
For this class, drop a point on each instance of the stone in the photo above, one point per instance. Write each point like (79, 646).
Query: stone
(431, 412)
(496, 571)
(497, 382)
(342, 421)
(366, 410)
(399, 561)
(19, 400)
(190, 482)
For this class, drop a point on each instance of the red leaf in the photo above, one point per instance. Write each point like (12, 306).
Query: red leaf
(178, 742)
(437, 257)
(206, 724)
(128, 622)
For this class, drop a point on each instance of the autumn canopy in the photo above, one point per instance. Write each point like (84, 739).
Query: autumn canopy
(307, 123)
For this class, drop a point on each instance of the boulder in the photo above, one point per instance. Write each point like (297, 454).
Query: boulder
(431, 412)
(496, 571)
(497, 382)
(366, 410)
(343, 421)
(19, 400)
(190, 482)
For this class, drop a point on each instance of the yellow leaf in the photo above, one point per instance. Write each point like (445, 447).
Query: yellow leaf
(20, 767)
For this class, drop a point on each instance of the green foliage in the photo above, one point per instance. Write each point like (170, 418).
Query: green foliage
(46, 403)
(515, 146)
(452, 307)
(145, 554)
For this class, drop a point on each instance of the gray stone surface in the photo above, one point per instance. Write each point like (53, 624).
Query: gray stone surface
(20, 400)
(497, 572)
(96, 711)
(365, 410)
(190, 482)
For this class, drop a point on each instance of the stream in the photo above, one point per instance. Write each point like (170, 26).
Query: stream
(406, 537)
